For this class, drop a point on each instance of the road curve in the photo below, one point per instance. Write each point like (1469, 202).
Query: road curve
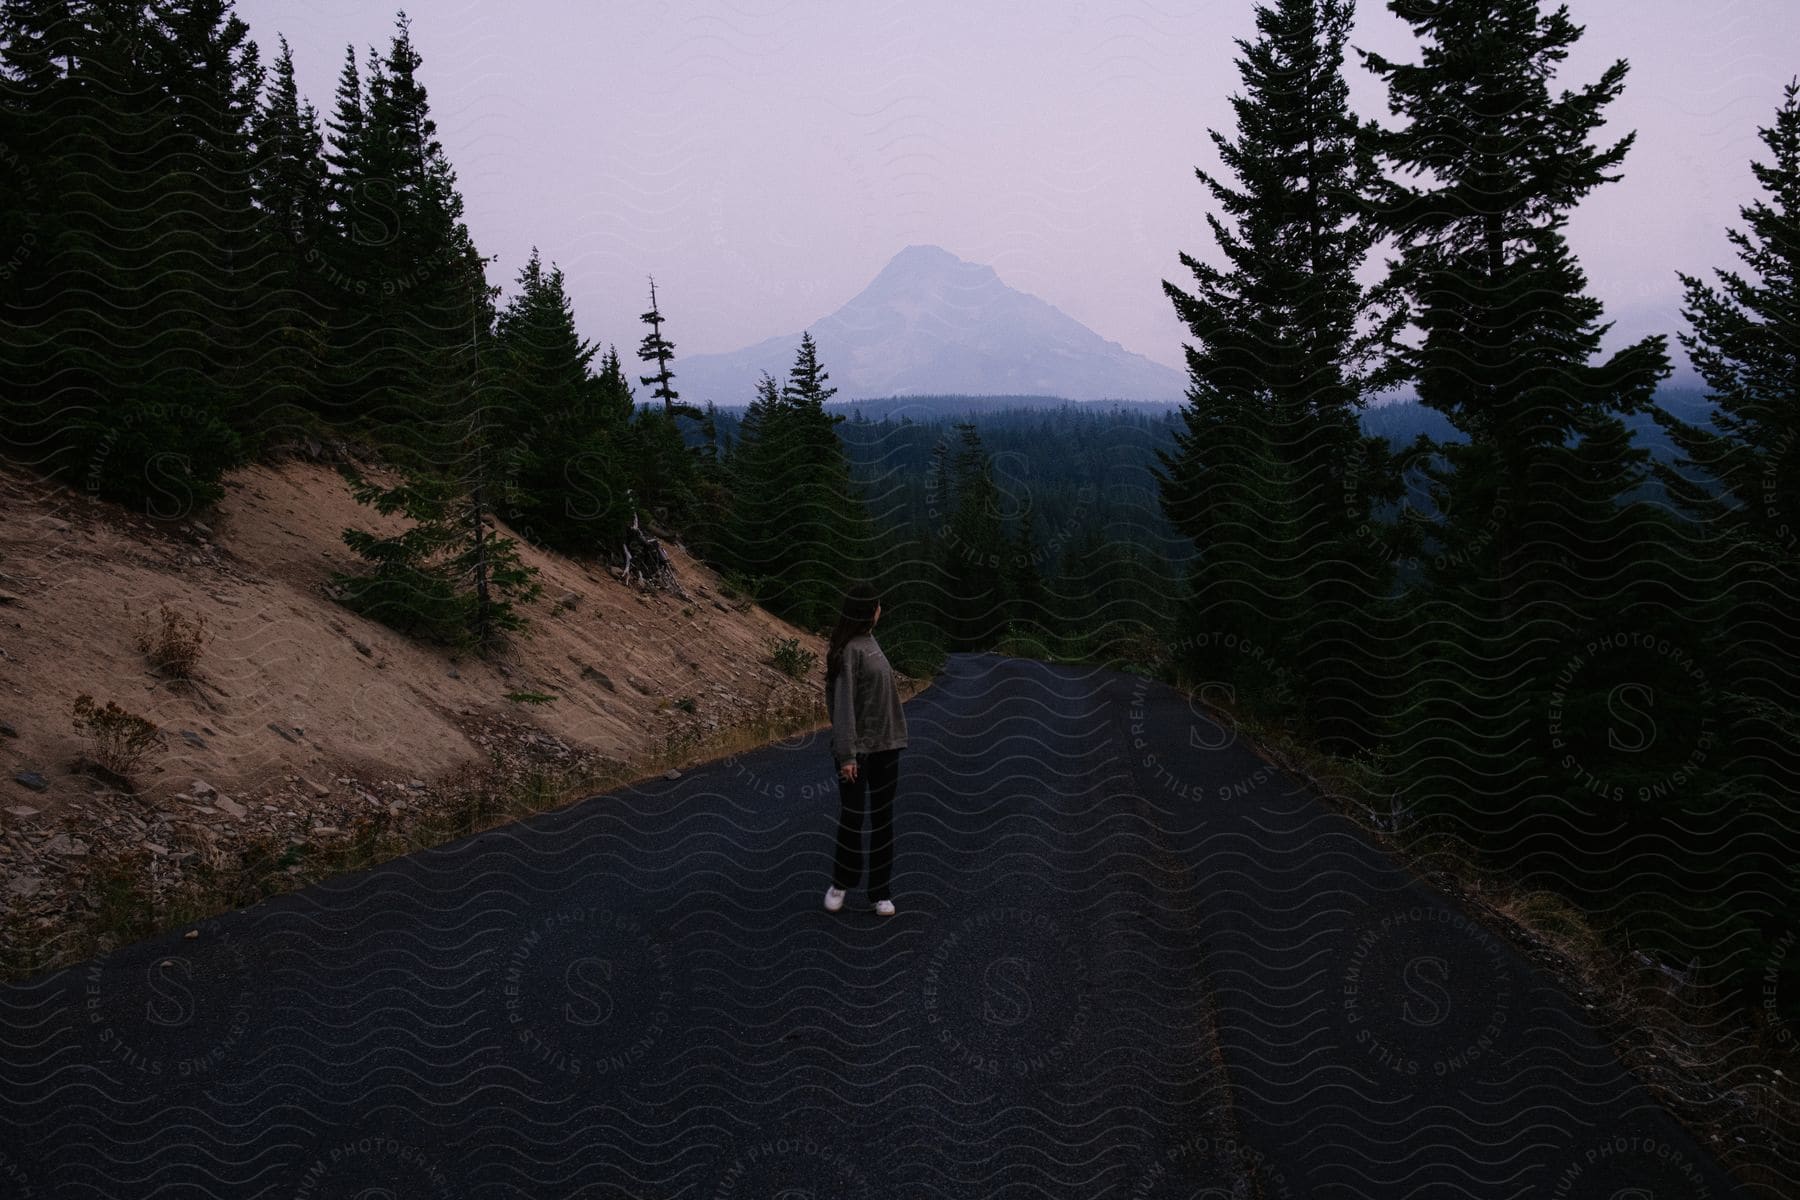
(1131, 960)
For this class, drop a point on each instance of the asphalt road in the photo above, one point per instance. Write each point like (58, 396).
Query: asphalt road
(1131, 960)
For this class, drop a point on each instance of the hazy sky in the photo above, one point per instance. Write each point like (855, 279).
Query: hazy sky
(764, 160)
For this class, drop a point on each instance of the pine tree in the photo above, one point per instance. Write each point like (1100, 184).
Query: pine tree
(764, 409)
(546, 361)
(1745, 344)
(131, 317)
(712, 492)
(1484, 172)
(402, 143)
(1738, 555)
(338, 259)
(291, 186)
(1022, 580)
(451, 576)
(672, 478)
(655, 348)
(345, 157)
(563, 472)
(1509, 333)
(805, 387)
(1268, 475)
(38, 42)
(753, 537)
(973, 548)
(613, 400)
(828, 529)
(446, 578)
(290, 174)
(797, 517)
(216, 243)
(403, 257)
(405, 586)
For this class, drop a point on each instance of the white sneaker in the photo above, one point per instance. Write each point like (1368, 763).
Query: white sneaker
(834, 898)
(884, 907)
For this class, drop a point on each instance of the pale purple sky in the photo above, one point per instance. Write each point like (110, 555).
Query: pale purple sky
(764, 160)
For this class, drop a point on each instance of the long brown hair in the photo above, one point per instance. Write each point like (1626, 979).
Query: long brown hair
(855, 618)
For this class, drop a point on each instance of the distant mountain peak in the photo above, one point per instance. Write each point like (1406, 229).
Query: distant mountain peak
(933, 323)
(925, 262)
(923, 252)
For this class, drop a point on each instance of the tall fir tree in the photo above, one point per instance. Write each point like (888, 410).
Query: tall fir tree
(545, 359)
(563, 478)
(135, 312)
(1743, 475)
(39, 44)
(212, 76)
(1509, 334)
(1270, 474)
(612, 391)
(972, 545)
(1022, 578)
(1737, 480)
(290, 173)
(671, 481)
(345, 155)
(291, 185)
(337, 258)
(753, 536)
(451, 576)
(658, 349)
(797, 518)
(806, 385)
(1484, 171)
(403, 256)
(828, 527)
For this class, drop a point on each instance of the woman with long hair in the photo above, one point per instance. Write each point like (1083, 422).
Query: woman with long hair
(868, 731)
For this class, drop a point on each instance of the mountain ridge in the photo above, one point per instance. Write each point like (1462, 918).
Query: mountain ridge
(930, 323)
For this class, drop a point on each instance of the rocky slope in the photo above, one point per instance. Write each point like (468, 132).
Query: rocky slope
(304, 719)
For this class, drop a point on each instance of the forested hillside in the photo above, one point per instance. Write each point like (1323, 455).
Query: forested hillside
(1073, 493)
(1548, 651)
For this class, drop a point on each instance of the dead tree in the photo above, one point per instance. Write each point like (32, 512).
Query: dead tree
(645, 559)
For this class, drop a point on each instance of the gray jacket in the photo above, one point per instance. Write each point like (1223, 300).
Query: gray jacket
(864, 703)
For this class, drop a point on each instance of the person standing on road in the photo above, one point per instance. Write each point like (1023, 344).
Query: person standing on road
(868, 731)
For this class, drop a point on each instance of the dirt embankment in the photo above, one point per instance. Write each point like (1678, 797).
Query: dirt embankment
(303, 719)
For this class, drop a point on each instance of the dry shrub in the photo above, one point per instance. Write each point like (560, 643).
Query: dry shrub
(119, 887)
(792, 659)
(120, 738)
(172, 641)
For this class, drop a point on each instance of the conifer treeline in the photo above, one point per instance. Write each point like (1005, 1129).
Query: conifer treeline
(1545, 665)
(205, 268)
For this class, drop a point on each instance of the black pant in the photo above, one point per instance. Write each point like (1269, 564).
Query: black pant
(872, 795)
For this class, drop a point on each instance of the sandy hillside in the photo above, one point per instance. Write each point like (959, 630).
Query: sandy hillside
(300, 701)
